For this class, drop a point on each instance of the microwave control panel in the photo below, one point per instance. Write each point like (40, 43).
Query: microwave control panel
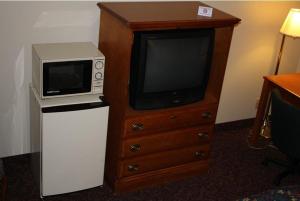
(98, 76)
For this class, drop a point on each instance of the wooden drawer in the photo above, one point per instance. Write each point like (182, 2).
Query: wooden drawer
(166, 141)
(170, 121)
(163, 160)
(150, 178)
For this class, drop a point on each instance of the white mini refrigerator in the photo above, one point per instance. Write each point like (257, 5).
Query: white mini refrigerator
(68, 138)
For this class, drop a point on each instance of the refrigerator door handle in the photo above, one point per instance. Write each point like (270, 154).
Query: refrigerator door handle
(74, 107)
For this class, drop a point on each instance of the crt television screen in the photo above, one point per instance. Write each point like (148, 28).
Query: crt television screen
(175, 63)
(170, 67)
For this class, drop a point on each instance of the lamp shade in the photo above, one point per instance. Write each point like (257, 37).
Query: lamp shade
(291, 25)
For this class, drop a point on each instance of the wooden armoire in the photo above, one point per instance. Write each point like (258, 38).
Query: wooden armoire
(148, 147)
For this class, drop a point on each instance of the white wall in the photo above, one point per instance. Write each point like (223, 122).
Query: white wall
(22, 24)
(253, 53)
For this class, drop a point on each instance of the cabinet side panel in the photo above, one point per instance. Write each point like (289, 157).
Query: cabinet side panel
(219, 61)
(115, 41)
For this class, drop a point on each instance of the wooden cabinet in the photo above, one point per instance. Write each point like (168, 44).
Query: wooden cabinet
(177, 138)
(163, 159)
(158, 122)
(147, 147)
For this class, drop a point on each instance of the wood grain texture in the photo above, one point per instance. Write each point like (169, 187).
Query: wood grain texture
(220, 55)
(161, 176)
(289, 82)
(168, 140)
(165, 159)
(172, 157)
(115, 43)
(166, 15)
(158, 122)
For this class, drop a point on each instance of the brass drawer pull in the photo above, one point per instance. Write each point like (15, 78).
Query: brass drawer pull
(206, 115)
(203, 135)
(200, 154)
(137, 127)
(135, 147)
(133, 168)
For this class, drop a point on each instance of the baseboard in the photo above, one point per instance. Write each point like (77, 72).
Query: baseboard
(239, 124)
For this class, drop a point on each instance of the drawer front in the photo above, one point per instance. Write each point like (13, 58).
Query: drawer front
(157, 123)
(163, 160)
(166, 141)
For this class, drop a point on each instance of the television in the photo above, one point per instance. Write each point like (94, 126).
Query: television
(169, 68)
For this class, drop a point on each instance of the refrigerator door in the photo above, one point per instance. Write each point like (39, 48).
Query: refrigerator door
(73, 147)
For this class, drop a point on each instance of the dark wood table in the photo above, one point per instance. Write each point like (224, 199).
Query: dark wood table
(288, 85)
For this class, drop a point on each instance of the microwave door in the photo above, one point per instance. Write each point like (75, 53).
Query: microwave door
(68, 77)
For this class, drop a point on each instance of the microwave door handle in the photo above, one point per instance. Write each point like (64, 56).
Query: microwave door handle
(74, 107)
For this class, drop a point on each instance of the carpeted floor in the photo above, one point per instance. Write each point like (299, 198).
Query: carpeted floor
(236, 172)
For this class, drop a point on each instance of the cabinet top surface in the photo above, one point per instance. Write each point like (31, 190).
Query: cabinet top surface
(166, 14)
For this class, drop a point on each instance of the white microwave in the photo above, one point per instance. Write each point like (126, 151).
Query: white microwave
(67, 69)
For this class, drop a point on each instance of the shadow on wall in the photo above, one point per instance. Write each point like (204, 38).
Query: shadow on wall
(20, 108)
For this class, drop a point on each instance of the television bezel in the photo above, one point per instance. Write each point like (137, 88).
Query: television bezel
(141, 100)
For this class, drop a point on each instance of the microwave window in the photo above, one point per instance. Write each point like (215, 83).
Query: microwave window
(70, 77)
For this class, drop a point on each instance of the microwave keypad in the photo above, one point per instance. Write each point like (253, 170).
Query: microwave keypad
(98, 76)
(99, 64)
